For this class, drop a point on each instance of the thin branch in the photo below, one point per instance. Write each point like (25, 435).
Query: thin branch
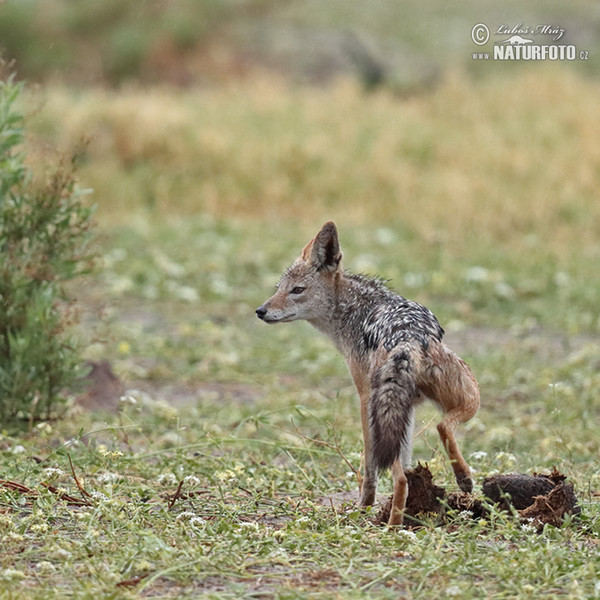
(66, 497)
(423, 429)
(84, 493)
(22, 489)
(17, 487)
(176, 496)
(129, 583)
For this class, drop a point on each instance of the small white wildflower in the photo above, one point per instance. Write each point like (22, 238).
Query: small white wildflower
(107, 477)
(121, 285)
(506, 458)
(500, 433)
(83, 516)
(408, 536)
(114, 256)
(477, 274)
(6, 522)
(167, 265)
(385, 236)
(186, 516)
(62, 553)
(109, 454)
(144, 565)
(562, 279)
(18, 449)
(187, 293)
(93, 532)
(135, 397)
(415, 280)
(12, 575)
(98, 496)
(53, 473)
(226, 475)
(44, 428)
(191, 480)
(197, 522)
(529, 527)
(166, 479)
(163, 409)
(45, 566)
(503, 290)
(479, 455)
(250, 526)
(453, 591)
(128, 399)
(465, 515)
(219, 286)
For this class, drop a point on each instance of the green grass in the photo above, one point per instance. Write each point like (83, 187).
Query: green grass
(253, 516)
(230, 403)
(203, 199)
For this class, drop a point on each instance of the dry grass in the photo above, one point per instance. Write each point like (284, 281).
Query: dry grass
(490, 158)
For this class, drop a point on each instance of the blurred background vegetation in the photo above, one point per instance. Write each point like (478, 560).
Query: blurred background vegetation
(218, 135)
(190, 42)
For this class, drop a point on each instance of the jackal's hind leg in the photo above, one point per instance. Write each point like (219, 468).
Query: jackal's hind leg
(452, 385)
(400, 494)
(460, 467)
(406, 450)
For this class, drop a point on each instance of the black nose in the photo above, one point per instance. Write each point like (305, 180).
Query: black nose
(261, 311)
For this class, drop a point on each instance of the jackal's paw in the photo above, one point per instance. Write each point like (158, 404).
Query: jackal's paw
(367, 497)
(465, 483)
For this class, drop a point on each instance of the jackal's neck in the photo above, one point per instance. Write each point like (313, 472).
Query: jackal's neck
(343, 315)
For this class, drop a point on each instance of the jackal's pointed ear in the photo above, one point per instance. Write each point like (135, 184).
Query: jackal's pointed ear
(324, 250)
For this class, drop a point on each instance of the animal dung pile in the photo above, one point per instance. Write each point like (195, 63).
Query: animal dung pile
(538, 499)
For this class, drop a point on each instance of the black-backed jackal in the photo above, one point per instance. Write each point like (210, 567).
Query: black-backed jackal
(395, 354)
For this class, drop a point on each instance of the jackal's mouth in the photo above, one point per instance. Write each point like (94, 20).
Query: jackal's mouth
(271, 319)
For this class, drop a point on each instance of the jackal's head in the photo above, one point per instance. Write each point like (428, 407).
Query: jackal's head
(307, 289)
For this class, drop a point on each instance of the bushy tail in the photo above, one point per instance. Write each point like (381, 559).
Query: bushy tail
(391, 409)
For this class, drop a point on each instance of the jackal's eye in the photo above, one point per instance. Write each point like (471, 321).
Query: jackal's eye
(297, 290)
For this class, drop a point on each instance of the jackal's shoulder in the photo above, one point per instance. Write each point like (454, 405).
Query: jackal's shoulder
(386, 317)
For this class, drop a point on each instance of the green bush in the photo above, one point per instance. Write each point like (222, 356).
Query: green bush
(44, 242)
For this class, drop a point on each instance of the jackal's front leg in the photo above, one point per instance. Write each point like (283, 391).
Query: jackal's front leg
(368, 487)
(369, 482)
